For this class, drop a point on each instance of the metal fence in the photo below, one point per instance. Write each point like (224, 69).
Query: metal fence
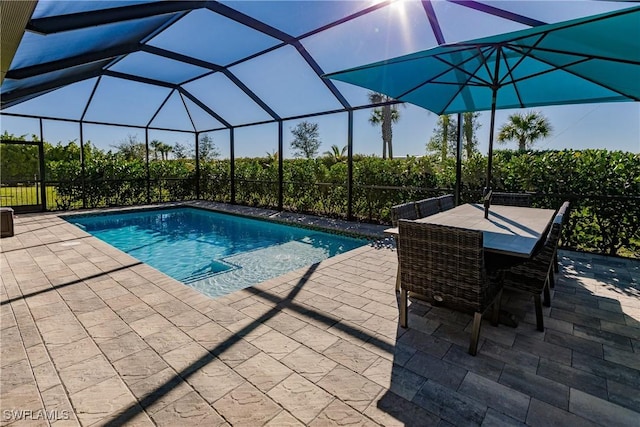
(598, 223)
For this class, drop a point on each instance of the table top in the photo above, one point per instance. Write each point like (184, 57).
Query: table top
(509, 230)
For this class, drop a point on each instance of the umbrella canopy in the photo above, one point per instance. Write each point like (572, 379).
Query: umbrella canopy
(587, 60)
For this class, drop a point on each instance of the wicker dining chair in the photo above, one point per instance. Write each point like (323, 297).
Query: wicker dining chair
(535, 275)
(564, 211)
(511, 199)
(446, 202)
(428, 207)
(446, 266)
(403, 211)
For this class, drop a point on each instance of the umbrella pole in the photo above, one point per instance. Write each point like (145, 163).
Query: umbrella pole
(491, 129)
(487, 188)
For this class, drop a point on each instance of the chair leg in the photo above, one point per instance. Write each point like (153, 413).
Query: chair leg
(547, 295)
(539, 319)
(495, 315)
(556, 268)
(551, 277)
(403, 308)
(475, 333)
(398, 277)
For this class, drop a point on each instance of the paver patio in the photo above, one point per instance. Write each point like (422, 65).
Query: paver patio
(92, 336)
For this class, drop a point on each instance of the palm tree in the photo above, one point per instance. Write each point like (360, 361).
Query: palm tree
(385, 116)
(156, 145)
(526, 128)
(336, 153)
(272, 156)
(164, 150)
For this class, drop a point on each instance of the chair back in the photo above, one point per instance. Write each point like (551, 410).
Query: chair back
(403, 211)
(564, 211)
(428, 207)
(511, 199)
(446, 202)
(532, 274)
(444, 264)
(554, 233)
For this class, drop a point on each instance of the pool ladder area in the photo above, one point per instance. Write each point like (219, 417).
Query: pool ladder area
(215, 268)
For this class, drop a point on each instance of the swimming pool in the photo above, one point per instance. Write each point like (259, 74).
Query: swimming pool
(213, 252)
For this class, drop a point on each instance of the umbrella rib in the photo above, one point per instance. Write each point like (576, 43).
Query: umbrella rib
(509, 73)
(405, 93)
(520, 60)
(470, 74)
(461, 88)
(584, 55)
(495, 48)
(587, 20)
(556, 68)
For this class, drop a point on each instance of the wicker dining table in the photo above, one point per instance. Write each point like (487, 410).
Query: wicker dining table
(513, 231)
(509, 230)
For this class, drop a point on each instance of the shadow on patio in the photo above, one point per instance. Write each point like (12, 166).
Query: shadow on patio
(86, 331)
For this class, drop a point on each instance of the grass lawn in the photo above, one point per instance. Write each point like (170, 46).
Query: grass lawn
(25, 195)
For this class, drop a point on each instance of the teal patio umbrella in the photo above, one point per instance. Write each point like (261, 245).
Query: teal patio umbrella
(588, 60)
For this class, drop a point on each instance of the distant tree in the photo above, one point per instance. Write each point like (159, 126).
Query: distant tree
(385, 116)
(306, 139)
(164, 150)
(525, 128)
(470, 125)
(336, 153)
(445, 136)
(181, 151)
(207, 149)
(17, 162)
(131, 149)
(155, 145)
(70, 152)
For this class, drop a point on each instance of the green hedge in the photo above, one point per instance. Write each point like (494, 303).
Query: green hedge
(604, 186)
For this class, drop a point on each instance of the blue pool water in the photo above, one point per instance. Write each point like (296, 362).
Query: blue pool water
(213, 252)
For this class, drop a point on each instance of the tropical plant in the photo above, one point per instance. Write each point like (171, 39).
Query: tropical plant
(306, 139)
(525, 128)
(384, 116)
(336, 154)
(470, 125)
(445, 135)
(272, 156)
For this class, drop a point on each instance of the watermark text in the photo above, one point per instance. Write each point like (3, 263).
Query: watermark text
(38, 414)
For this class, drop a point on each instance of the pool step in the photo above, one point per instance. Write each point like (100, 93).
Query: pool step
(215, 267)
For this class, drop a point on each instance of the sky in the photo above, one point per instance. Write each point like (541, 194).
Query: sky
(285, 81)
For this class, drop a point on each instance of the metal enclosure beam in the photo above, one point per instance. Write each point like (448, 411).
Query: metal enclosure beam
(204, 107)
(433, 21)
(196, 134)
(43, 188)
(139, 79)
(251, 94)
(75, 21)
(511, 16)
(166, 99)
(73, 61)
(350, 166)
(146, 163)
(232, 164)
(180, 57)
(280, 166)
(17, 95)
(83, 168)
